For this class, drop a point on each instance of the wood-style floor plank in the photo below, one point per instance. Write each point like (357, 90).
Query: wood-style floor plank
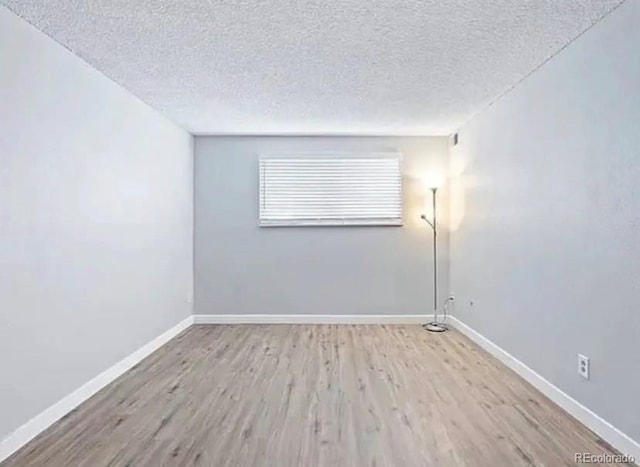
(314, 396)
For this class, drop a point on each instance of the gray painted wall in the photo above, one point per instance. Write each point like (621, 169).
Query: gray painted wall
(241, 268)
(95, 223)
(547, 204)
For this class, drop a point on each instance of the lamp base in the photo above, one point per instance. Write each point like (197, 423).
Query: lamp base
(435, 327)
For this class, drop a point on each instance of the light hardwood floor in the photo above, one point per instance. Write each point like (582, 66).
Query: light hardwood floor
(298, 395)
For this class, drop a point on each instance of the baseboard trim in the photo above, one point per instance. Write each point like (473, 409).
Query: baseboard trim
(44, 420)
(311, 319)
(591, 420)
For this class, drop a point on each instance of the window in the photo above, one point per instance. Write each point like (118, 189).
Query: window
(331, 190)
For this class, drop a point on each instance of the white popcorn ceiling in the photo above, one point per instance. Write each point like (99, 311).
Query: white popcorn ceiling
(315, 66)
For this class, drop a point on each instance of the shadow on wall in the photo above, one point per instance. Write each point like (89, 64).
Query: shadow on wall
(459, 184)
(457, 202)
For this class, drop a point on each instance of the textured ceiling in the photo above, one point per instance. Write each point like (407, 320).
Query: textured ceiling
(315, 66)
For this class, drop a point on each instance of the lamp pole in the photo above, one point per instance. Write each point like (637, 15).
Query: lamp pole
(434, 326)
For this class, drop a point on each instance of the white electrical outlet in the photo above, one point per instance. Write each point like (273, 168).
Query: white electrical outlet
(583, 366)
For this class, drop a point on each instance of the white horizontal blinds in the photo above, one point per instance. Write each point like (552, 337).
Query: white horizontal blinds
(331, 190)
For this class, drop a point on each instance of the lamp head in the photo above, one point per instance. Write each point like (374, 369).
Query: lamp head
(434, 181)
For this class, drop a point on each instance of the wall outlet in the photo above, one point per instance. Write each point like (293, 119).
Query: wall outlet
(583, 366)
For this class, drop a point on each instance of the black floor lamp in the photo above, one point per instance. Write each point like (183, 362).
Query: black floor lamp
(434, 325)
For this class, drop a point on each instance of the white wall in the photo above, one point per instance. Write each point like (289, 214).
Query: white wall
(241, 268)
(546, 199)
(95, 222)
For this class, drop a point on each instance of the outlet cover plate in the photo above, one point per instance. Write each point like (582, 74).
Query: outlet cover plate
(583, 366)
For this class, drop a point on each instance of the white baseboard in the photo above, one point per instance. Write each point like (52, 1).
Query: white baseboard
(601, 427)
(45, 419)
(311, 319)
